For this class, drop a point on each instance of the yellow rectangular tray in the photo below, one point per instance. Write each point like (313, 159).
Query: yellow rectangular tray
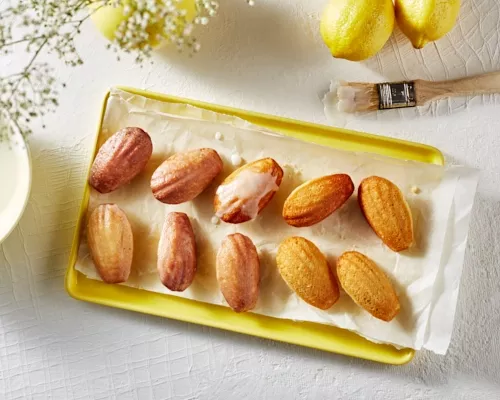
(319, 336)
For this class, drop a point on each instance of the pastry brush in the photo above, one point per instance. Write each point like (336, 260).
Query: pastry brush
(359, 97)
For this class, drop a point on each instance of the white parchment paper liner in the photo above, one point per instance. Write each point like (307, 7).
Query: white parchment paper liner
(425, 277)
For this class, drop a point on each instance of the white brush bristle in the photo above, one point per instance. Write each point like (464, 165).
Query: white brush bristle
(346, 98)
(354, 97)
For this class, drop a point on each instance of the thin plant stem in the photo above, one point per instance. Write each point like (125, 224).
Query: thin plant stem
(26, 69)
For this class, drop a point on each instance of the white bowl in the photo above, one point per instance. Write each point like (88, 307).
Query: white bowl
(15, 178)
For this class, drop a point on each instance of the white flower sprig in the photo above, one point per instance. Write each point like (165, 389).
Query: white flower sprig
(50, 26)
(150, 21)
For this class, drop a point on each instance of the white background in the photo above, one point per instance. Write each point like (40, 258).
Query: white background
(268, 58)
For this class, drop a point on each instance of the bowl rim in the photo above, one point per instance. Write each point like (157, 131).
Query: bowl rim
(16, 133)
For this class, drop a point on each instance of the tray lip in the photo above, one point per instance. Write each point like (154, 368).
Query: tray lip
(71, 277)
(437, 155)
(403, 356)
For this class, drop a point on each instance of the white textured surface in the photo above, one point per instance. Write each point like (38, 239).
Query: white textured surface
(268, 58)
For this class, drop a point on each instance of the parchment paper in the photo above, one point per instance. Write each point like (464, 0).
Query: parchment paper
(414, 273)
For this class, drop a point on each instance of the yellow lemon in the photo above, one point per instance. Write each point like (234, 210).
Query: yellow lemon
(424, 21)
(357, 29)
(108, 18)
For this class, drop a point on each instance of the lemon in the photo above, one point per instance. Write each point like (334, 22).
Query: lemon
(107, 19)
(424, 21)
(357, 29)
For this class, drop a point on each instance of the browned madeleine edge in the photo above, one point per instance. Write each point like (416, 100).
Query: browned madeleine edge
(316, 199)
(306, 271)
(390, 217)
(367, 285)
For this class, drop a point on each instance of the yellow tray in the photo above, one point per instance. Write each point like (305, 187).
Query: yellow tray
(319, 336)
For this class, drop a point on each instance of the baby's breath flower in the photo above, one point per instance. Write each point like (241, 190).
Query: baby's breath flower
(188, 29)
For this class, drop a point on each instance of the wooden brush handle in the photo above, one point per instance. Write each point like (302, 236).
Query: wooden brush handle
(474, 85)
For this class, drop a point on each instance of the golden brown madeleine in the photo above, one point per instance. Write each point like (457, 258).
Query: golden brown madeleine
(316, 199)
(367, 285)
(387, 212)
(238, 272)
(183, 176)
(244, 193)
(120, 159)
(305, 269)
(111, 243)
(177, 252)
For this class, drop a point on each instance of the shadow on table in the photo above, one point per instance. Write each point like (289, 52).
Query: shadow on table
(474, 343)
